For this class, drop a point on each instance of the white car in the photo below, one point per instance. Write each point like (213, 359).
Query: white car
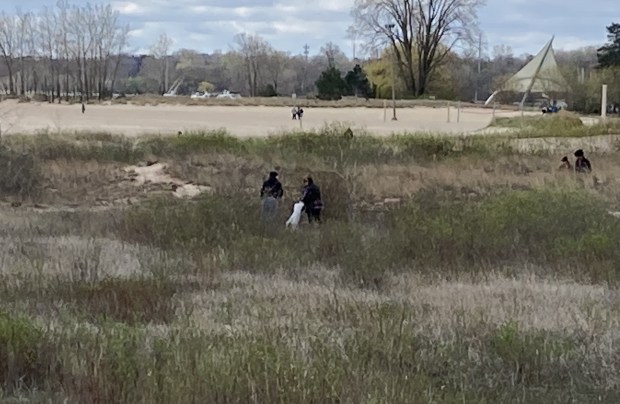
(200, 95)
(229, 95)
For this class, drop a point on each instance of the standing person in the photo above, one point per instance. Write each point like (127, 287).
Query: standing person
(294, 111)
(312, 200)
(582, 164)
(300, 113)
(83, 108)
(271, 192)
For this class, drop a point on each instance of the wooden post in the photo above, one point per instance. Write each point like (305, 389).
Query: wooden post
(384, 110)
(604, 102)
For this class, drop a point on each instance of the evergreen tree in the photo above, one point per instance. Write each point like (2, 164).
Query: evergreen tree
(609, 55)
(331, 85)
(358, 83)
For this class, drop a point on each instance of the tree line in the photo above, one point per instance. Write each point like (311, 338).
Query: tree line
(63, 51)
(81, 51)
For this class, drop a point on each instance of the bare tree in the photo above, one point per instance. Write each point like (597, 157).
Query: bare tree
(49, 39)
(330, 50)
(25, 45)
(8, 29)
(254, 50)
(161, 52)
(421, 33)
(277, 63)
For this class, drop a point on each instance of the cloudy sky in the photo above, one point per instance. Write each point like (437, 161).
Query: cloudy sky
(209, 25)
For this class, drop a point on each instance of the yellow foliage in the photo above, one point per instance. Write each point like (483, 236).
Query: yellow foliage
(442, 83)
(205, 86)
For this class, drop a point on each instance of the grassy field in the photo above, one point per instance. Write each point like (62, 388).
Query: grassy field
(563, 124)
(447, 270)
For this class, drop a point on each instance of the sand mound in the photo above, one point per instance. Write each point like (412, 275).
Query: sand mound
(156, 174)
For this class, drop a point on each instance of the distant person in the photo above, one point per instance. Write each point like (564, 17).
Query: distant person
(565, 164)
(271, 192)
(83, 108)
(311, 197)
(582, 164)
(294, 111)
(300, 113)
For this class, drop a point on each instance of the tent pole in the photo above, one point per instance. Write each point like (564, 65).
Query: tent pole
(542, 61)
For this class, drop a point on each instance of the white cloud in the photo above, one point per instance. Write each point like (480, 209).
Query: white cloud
(127, 7)
(206, 25)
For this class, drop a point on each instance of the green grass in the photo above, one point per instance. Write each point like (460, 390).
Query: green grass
(553, 227)
(380, 356)
(557, 125)
(454, 295)
(333, 145)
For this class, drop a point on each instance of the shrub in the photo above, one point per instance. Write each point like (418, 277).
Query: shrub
(131, 301)
(82, 147)
(191, 143)
(20, 173)
(547, 226)
(22, 345)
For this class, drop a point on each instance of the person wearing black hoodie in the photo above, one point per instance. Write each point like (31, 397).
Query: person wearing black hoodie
(271, 192)
(311, 197)
(582, 164)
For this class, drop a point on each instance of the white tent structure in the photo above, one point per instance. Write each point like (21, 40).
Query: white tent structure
(540, 75)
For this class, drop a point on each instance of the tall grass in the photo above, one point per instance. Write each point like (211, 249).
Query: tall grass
(556, 125)
(565, 230)
(452, 295)
(343, 350)
(368, 334)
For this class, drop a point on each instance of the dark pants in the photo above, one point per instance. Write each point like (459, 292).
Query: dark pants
(314, 215)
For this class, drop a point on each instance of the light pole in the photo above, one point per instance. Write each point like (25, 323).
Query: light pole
(389, 27)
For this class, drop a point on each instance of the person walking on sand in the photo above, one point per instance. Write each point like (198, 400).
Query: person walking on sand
(582, 164)
(294, 111)
(83, 108)
(311, 197)
(271, 192)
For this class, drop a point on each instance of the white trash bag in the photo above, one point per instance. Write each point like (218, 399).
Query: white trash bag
(295, 218)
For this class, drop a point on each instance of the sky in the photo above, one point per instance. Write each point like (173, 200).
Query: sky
(209, 25)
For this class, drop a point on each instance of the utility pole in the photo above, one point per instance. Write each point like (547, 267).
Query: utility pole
(389, 28)
(303, 80)
(479, 62)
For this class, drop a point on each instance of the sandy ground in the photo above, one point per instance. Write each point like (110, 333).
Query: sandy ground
(132, 120)
(156, 174)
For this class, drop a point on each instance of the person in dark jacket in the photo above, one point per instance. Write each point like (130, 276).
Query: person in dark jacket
(582, 164)
(271, 192)
(311, 197)
(565, 164)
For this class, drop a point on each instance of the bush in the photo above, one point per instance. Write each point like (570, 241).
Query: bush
(22, 345)
(83, 147)
(190, 143)
(546, 226)
(125, 300)
(20, 174)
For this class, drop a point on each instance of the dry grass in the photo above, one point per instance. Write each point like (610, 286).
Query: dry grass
(346, 102)
(494, 280)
